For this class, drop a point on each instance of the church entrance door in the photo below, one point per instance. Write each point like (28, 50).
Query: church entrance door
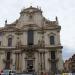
(30, 65)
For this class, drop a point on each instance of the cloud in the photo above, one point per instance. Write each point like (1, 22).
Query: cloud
(67, 52)
(64, 9)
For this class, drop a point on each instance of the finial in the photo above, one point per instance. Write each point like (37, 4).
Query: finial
(40, 8)
(56, 19)
(37, 6)
(5, 21)
(30, 6)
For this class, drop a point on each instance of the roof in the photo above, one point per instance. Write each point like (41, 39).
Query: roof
(31, 8)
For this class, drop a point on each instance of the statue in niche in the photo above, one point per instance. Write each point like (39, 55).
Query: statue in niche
(41, 43)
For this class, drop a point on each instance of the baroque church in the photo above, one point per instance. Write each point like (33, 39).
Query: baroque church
(31, 44)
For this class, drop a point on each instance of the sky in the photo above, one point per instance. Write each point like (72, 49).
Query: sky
(63, 9)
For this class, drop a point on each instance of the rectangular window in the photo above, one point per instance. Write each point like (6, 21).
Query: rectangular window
(53, 62)
(0, 43)
(30, 37)
(8, 55)
(52, 42)
(0, 33)
(52, 54)
(53, 67)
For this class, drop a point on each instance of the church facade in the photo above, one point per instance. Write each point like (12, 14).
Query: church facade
(31, 44)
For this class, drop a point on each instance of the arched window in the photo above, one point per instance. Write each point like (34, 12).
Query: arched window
(52, 42)
(9, 42)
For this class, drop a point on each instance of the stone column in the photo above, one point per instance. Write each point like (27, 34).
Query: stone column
(17, 61)
(20, 62)
(39, 63)
(36, 62)
(23, 66)
(2, 57)
(13, 61)
(47, 62)
(43, 61)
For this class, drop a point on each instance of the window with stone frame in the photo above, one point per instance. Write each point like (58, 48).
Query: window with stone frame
(0, 38)
(53, 62)
(53, 67)
(0, 33)
(52, 40)
(8, 55)
(9, 42)
(0, 43)
(52, 54)
(30, 37)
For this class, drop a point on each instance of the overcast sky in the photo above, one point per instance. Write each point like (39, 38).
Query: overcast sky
(64, 9)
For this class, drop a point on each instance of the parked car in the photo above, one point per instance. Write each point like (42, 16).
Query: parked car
(8, 72)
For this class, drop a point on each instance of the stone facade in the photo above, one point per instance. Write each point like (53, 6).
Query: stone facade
(69, 65)
(31, 43)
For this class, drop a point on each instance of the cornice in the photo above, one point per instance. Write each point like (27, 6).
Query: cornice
(26, 47)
